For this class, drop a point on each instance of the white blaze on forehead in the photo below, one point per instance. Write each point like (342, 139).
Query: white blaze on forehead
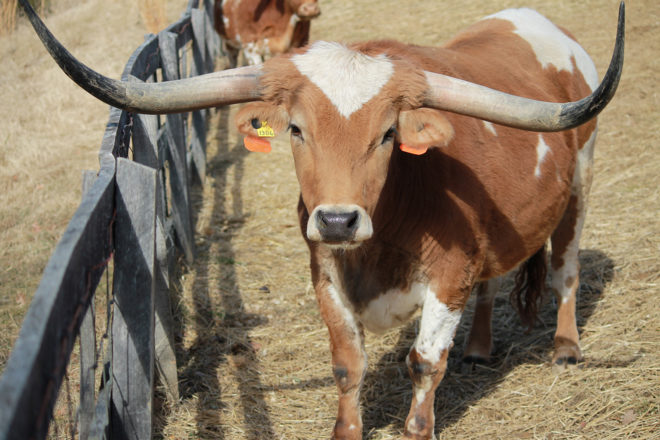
(550, 44)
(348, 78)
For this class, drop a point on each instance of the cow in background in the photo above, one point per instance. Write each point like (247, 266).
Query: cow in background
(263, 28)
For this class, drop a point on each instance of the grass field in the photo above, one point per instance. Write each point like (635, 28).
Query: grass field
(253, 355)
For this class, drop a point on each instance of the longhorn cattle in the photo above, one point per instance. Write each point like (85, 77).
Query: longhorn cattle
(262, 28)
(424, 172)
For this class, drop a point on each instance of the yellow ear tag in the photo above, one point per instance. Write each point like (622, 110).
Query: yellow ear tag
(265, 130)
(417, 151)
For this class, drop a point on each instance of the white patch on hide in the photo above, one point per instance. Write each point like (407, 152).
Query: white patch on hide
(490, 127)
(437, 328)
(392, 308)
(550, 44)
(348, 78)
(254, 54)
(585, 161)
(542, 149)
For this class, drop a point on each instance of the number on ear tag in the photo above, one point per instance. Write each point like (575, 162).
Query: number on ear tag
(417, 151)
(265, 130)
(256, 144)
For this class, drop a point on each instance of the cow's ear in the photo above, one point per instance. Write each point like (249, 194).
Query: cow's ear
(260, 121)
(423, 128)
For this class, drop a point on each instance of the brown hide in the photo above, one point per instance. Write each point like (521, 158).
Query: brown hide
(476, 200)
(482, 198)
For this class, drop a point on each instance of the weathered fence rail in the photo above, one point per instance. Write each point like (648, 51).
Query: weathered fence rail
(135, 213)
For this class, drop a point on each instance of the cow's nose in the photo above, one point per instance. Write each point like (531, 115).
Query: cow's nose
(337, 226)
(309, 10)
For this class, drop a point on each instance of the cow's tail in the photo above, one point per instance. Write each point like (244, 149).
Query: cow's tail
(527, 294)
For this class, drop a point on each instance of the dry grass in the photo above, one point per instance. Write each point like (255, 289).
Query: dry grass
(7, 16)
(255, 362)
(8, 13)
(51, 130)
(153, 14)
(254, 358)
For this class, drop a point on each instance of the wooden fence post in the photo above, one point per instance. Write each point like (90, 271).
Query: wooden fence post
(145, 151)
(213, 41)
(134, 288)
(199, 66)
(176, 151)
(88, 354)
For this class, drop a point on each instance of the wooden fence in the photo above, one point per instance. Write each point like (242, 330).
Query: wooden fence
(135, 216)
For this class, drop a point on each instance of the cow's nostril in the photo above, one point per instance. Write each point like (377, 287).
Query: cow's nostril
(353, 220)
(337, 226)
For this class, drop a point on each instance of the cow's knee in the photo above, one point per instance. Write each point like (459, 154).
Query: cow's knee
(348, 378)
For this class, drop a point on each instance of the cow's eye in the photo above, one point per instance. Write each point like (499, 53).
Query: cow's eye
(389, 135)
(295, 131)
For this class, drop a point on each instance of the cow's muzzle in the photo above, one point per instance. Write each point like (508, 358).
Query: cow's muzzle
(339, 225)
(307, 11)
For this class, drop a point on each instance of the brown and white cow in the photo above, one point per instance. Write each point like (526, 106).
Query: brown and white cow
(409, 195)
(263, 28)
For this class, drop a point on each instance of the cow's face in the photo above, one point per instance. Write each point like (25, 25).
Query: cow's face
(305, 9)
(343, 128)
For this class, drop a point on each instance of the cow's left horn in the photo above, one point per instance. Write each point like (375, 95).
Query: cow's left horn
(213, 89)
(458, 96)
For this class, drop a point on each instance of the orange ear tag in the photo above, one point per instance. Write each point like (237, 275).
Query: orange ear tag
(259, 144)
(417, 151)
(256, 144)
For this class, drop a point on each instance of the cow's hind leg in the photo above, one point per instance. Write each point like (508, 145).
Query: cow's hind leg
(480, 342)
(427, 362)
(564, 264)
(565, 269)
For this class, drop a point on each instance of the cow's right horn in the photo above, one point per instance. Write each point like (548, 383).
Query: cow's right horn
(458, 96)
(204, 91)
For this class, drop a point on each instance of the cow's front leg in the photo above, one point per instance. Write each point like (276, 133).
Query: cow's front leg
(427, 362)
(349, 361)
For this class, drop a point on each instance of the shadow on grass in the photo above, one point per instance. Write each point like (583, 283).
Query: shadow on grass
(388, 389)
(219, 321)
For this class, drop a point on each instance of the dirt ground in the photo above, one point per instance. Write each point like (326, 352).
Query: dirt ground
(253, 355)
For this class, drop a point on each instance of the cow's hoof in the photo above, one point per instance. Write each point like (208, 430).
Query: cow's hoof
(409, 436)
(566, 358)
(469, 364)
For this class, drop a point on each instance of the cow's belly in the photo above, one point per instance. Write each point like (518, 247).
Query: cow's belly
(392, 308)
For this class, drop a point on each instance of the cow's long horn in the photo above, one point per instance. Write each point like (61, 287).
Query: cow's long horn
(213, 89)
(458, 96)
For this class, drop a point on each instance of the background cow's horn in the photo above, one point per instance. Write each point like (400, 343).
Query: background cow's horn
(458, 96)
(213, 89)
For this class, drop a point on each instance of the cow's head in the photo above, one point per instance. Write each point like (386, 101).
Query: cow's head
(345, 111)
(305, 9)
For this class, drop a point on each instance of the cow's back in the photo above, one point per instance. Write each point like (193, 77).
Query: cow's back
(468, 186)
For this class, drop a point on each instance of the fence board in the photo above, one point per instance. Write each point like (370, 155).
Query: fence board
(145, 240)
(100, 427)
(133, 316)
(33, 375)
(145, 151)
(198, 129)
(176, 152)
(87, 349)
